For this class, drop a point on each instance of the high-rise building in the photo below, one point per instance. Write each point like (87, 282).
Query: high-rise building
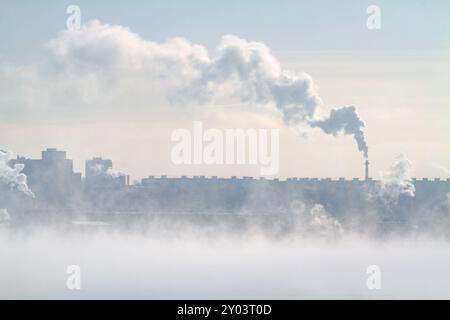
(51, 178)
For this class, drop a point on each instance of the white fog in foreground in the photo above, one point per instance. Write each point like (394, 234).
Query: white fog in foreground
(117, 265)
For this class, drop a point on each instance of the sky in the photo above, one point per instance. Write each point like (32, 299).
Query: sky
(397, 77)
(286, 25)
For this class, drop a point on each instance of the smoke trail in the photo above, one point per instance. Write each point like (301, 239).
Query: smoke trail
(187, 72)
(344, 121)
(184, 73)
(255, 75)
(13, 176)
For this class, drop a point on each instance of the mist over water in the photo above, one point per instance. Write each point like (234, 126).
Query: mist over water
(192, 261)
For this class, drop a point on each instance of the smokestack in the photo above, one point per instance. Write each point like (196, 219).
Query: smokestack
(367, 170)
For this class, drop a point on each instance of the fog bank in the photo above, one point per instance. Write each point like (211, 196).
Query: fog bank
(185, 266)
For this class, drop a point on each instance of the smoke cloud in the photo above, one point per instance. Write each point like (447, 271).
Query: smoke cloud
(344, 121)
(243, 70)
(13, 176)
(101, 57)
(256, 76)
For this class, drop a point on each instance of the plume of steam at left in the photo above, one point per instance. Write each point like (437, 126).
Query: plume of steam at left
(13, 176)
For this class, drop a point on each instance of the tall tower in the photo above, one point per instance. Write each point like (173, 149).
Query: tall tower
(366, 176)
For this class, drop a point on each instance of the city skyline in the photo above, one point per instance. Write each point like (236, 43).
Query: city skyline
(100, 165)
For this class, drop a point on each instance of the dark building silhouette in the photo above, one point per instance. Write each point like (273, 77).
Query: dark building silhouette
(51, 178)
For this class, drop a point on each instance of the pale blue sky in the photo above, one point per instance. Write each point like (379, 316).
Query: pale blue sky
(285, 25)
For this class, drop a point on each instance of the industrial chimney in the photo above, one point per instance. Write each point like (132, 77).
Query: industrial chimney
(366, 176)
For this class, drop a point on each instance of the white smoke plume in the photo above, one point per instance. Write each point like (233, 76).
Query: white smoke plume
(244, 70)
(13, 176)
(344, 121)
(257, 77)
(101, 57)
(396, 182)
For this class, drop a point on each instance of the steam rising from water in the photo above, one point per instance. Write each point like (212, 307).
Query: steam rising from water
(158, 265)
